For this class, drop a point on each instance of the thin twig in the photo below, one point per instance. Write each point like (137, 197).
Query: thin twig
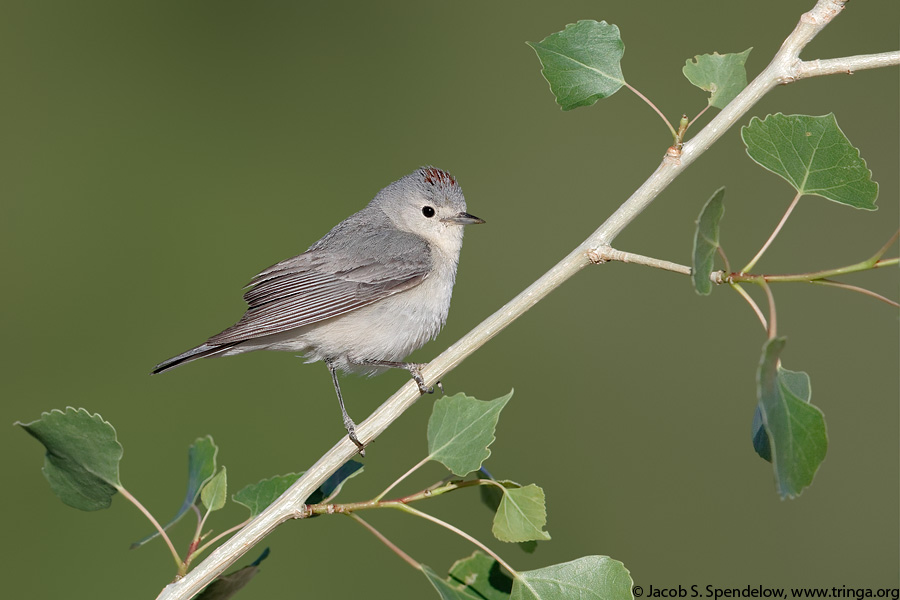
(847, 65)
(611, 254)
(865, 265)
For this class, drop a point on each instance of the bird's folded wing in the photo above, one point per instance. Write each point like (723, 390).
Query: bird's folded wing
(320, 284)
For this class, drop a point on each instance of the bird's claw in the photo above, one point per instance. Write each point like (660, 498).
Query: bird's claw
(420, 381)
(361, 448)
(351, 433)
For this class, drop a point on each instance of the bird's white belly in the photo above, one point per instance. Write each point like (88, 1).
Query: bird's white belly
(389, 329)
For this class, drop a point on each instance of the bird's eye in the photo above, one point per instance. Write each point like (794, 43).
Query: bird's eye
(428, 211)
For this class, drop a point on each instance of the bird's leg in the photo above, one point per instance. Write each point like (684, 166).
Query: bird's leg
(414, 370)
(349, 425)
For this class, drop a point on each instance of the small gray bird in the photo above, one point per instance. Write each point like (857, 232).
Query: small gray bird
(362, 298)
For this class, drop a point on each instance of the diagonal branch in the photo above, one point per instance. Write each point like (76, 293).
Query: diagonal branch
(784, 68)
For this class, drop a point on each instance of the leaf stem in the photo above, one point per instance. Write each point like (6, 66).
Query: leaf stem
(203, 521)
(653, 106)
(877, 256)
(752, 303)
(127, 495)
(402, 477)
(384, 540)
(854, 288)
(778, 227)
(721, 252)
(205, 546)
(459, 532)
(773, 324)
(699, 114)
(195, 541)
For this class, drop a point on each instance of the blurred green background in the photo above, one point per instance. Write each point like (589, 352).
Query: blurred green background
(157, 155)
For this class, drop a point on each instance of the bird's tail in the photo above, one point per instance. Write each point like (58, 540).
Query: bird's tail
(201, 351)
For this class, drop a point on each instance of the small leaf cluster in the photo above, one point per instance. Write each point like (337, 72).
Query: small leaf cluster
(81, 465)
(82, 462)
(582, 64)
(816, 158)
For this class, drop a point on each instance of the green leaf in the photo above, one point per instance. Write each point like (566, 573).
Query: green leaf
(813, 155)
(460, 430)
(257, 496)
(201, 466)
(722, 75)
(332, 486)
(449, 590)
(82, 460)
(795, 428)
(586, 578)
(706, 241)
(798, 383)
(483, 575)
(226, 586)
(582, 62)
(521, 516)
(492, 496)
(214, 493)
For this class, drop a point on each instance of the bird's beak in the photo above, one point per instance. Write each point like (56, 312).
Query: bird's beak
(463, 218)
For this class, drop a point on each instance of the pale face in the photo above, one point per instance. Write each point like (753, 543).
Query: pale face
(430, 204)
